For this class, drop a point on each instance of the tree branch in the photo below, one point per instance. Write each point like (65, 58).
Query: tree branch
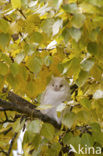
(6, 131)
(21, 12)
(11, 144)
(2, 151)
(21, 105)
(8, 120)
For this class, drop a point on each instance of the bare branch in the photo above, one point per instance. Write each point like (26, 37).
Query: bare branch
(21, 12)
(6, 131)
(44, 49)
(2, 151)
(11, 144)
(21, 105)
(8, 120)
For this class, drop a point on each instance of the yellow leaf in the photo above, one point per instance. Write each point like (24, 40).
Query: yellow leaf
(16, 4)
(3, 68)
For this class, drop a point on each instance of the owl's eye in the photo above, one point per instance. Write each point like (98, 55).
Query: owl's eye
(61, 86)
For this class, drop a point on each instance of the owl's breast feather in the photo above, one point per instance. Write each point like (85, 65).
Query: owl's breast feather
(54, 98)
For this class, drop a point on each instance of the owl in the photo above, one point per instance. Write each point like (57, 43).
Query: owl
(56, 92)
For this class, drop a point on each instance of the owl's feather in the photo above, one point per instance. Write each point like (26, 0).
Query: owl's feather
(56, 92)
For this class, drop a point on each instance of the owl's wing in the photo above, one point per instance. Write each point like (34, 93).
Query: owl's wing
(42, 97)
(45, 111)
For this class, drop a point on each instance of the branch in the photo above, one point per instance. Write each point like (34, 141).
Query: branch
(8, 120)
(44, 49)
(21, 105)
(21, 12)
(6, 131)
(11, 144)
(10, 147)
(7, 19)
(2, 151)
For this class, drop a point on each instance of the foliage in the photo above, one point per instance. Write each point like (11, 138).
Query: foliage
(28, 59)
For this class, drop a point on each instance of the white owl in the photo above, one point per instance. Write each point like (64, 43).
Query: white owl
(56, 92)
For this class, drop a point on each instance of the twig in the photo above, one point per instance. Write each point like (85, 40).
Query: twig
(6, 131)
(2, 151)
(7, 19)
(43, 49)
(22, 37)
(21, 12)
(8, 120)
(11, 144)
(6, 115)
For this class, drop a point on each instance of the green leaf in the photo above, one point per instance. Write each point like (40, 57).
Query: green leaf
(66, 35)
(4, 26)
(28, 137)
(68, 119)
(25, 138)
(34, 126)
(95, 127)
(93, 35)
(24, 72)
(75, 33)
(70, 139)
(83, 76)
(47, 25)
(36, 140)
(96, 133)
(47, 131)
(87, 64)
(1, 81)
(54, 149)
(98, 3)
(86, 103)
(5, 58)
(67, 138)
(30, 89)
(3, 69)
(60, 67)
(76, 140)
(19, 57)
(36, 153)
(96, 72)
(12, 81)
(47, 60)
(84, 116)
(14, 69)
(98, 137)
(71, 8)
(4, 40)
(36, 37)
(56, 26)
(89, 8)
(35, 64)
(17, 126)
(92, 48)
(73, 67)
(71, 33)
(78, 20)
(55, 4)
(87, 140)
(16, 4)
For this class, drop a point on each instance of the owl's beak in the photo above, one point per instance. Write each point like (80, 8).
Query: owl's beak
(56, 88)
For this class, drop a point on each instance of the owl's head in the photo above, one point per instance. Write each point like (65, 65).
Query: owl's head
(58, 83)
